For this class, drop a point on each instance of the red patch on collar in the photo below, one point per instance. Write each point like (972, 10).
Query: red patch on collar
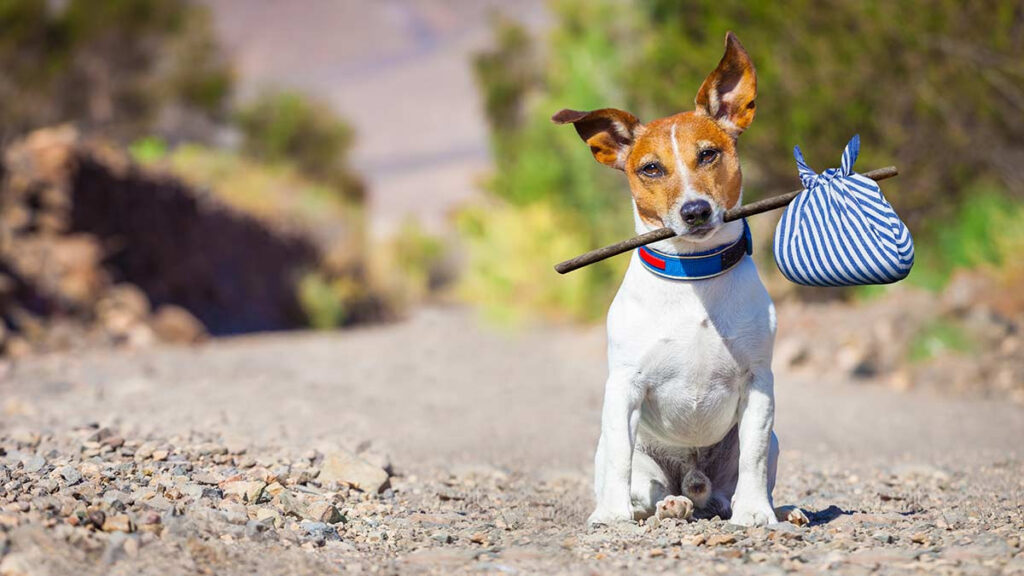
(652, 259)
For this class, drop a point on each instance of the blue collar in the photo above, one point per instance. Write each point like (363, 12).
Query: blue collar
(701, 265)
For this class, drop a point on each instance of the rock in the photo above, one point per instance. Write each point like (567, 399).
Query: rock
(321, 511)
(234, 512)
(256, 529)
(442, 537)
(176, 325)
(70, 475)
(206, 478)
(119, 523)
(246, 491)
(343, 467)
(883, 537)
(291, 505)
(97, 518)
(857, 358)
(113, 441)
(160, 455)
(792, 352)
(318, 532)
(269, 515)
(126, 302)
(34, 464)
(721, 539)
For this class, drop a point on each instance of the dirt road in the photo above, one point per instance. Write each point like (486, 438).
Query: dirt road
(490, 437)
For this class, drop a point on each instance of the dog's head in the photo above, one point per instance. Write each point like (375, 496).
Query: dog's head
(683, 170)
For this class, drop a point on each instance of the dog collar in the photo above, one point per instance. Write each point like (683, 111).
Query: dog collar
(701, 265)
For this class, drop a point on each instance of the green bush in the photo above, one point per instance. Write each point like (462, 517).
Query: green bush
(295, 128)
(413, 263)
(986, 234)
(938, 338)
(934, 91)
(111, 66)
(322, 300)
(511, 250)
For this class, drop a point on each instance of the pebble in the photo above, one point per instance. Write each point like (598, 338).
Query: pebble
(442, 537)
(321, 511)
(118, 523)
(207, 478)
(34, 464)
(71, 475)
(721, 539)
(342, 467)
(125, 506)
(318, 532)
(247, 491)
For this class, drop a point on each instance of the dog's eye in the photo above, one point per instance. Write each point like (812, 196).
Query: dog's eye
(707, 156)
(652, 170)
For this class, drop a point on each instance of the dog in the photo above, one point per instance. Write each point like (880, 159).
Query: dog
(687, 421)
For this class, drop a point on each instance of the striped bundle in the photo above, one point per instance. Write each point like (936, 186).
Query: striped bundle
(841, 231)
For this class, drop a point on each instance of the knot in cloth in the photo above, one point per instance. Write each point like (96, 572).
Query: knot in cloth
(841, 231)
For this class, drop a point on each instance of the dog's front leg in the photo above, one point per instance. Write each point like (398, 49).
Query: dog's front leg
(752, 502)
(614, 459)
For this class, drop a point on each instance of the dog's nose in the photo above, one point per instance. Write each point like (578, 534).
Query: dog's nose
(696, 212)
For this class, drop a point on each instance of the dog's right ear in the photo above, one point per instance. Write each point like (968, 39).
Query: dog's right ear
(608, 132)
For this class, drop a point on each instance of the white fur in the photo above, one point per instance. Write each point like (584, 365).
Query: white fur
(687, 362)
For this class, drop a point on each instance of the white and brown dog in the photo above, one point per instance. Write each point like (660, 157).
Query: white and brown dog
(689, 403)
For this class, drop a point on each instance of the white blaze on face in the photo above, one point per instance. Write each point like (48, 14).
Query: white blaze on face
(689, 193)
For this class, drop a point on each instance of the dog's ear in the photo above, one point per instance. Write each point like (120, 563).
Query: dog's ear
(608, 132)
(727, 94)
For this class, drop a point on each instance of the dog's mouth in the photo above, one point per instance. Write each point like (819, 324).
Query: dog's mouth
(700, 233)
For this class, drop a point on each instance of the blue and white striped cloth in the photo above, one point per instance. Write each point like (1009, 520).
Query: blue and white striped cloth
(841, 231)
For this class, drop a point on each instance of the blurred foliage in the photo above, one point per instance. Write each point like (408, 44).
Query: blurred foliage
(287, 199)
(506, 75)
(151, 72)
(293, 127)
(413, 264)
(113, 66)
(937, 90)
(273, 192)
(511, 249)
(937, 338)
(986, 235)
(325, 300)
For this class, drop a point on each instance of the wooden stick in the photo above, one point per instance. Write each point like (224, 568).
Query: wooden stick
(664, 233)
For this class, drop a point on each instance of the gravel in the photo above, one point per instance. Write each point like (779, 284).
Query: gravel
(891, 483)
(132, 511)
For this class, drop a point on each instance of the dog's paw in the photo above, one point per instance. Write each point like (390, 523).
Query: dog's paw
(792, 514)
(679, 507)
(759, 514)
(602, 517)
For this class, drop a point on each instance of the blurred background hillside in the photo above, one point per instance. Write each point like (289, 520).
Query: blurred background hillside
(177, 169)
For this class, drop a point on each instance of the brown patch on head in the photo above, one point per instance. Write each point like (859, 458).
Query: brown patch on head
(716, 174)
(693, 151)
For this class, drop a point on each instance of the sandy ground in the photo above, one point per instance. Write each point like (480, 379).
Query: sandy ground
(490, 436)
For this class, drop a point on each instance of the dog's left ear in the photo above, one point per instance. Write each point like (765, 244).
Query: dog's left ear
(727, 94)
(608, 132)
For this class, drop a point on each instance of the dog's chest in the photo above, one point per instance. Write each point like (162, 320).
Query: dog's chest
(693, 385)
(691, 350)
